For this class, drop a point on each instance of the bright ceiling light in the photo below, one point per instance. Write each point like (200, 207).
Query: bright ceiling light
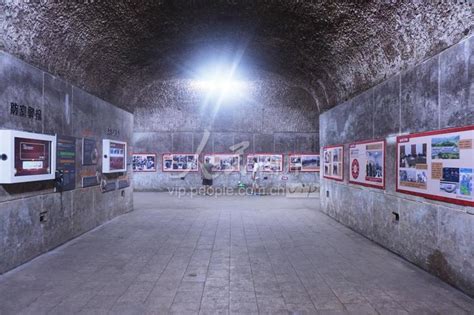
(219, 81)
(227, 86)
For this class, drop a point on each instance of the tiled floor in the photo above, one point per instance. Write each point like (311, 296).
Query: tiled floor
(269, 255)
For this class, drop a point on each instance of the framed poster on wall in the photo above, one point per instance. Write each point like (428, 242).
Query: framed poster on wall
(90, 153)
(144, 162)
(437, 165)
(269, 162)
(304, 163)
(223, 162)
(367, 163)
(333, 162)
(180, 162)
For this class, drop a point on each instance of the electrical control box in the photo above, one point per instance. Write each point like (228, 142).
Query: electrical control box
(26, 157)
(114, 158)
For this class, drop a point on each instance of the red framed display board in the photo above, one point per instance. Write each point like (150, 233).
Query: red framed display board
(333, 162)
(437, 165)
(367, 163)
(269, 161)
(144, 162)
(304, 162)
(223, 162)
(180, 162)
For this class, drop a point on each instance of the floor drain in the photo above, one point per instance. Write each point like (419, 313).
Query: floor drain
(192, 275)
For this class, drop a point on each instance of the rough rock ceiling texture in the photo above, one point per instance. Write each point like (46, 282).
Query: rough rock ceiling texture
(334, 49)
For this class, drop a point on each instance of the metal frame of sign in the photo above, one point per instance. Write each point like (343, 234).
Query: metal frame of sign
(339, 179)
(403, 139)
(221, 154)
(384, 142)
(303, 171)
(179, 170)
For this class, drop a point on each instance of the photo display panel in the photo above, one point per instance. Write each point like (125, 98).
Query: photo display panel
(180, 162)
(333, 162)
(304, 163)
(367, 163)
(268, 162)
(223, 162)
(437, 165)
(144, 162)
(117, 156)
(32, 157)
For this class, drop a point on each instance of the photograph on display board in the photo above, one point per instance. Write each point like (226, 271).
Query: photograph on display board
(333, 160)
(413, 155)
(304, 163)
(268, 162)
(465, 181)
(445, 148)
(437, 165)
(180, 162)
(367, 163)
(223, 162)
(144, 162)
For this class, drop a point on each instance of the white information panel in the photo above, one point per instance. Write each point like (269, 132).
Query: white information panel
(26, 157)
(367, 163)
(114, 158)
(437, 165)
(333, 162)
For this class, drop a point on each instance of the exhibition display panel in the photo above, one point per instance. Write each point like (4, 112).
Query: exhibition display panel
(437, 165)
(180, 162)
(114, 158)
(26, 157)
(367, 163)
(333, 162)
(269, 162)
(223, 162)
(144, 162)
(304, 163)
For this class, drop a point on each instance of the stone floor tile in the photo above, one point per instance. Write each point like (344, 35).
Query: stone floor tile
(248, 256)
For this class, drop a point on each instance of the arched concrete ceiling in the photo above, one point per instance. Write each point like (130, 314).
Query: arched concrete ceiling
(334, 49)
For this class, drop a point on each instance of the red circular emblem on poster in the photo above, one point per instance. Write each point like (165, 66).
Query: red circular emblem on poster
(355, 169)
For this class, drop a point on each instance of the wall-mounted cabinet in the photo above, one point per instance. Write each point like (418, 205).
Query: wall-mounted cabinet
(114, 158)
(26, 157)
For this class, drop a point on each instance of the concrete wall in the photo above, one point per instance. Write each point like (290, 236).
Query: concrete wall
(271, 116)
(66, 111)
(438, 93)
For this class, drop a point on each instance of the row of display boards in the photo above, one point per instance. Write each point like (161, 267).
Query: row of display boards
(437, 165)
(225, 162)
(29, 157)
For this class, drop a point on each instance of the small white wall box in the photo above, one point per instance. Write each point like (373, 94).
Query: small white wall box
(26, 157)
(114, 158)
